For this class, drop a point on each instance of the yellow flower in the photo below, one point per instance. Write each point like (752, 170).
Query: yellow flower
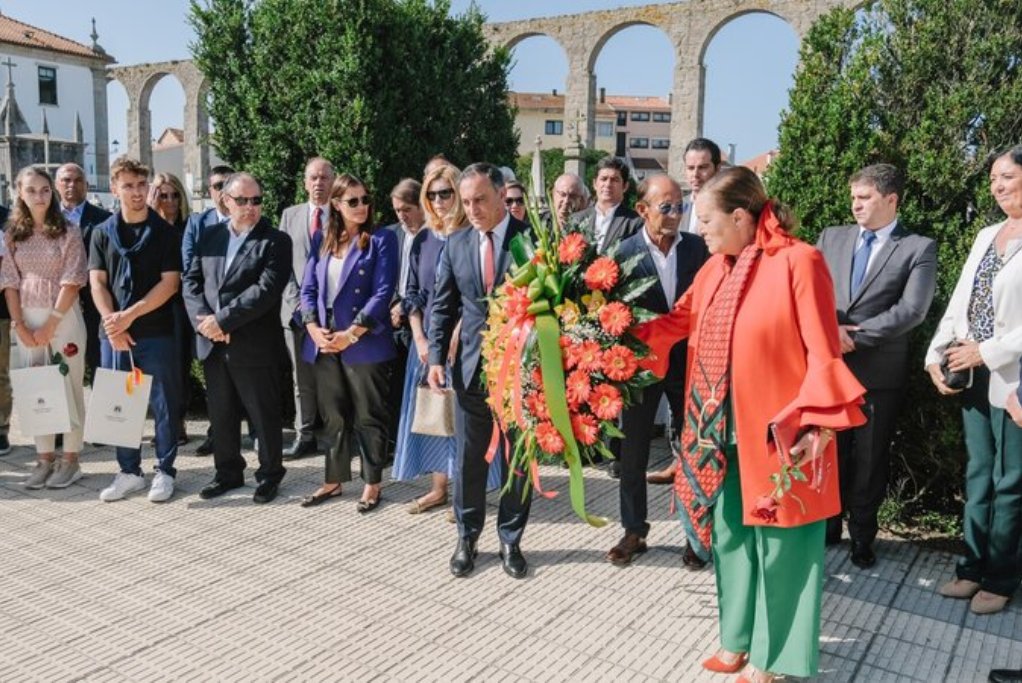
(594, 302)
(569, 314)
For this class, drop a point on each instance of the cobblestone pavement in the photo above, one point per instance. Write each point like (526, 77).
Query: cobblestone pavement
(228, 590)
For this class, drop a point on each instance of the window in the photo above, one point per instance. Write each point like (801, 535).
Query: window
(639, 143)
(622, 118)
(661, 143)
(662, 116)
(554, 128)
(604, 129)
(47, 85)
(640, 116)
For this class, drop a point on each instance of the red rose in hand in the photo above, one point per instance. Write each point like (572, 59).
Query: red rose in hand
(619, 363)
(70, 350)
(571, 248)
(549, 439)
(602, 274)
(605, 401)
(585, 428)
(766, 509)
(615, 318)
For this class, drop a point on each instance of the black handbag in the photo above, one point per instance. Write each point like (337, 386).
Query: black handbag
(954, 379)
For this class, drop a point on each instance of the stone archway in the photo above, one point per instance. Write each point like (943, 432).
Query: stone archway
(139, 80)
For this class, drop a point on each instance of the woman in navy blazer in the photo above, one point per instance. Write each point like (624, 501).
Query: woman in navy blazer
(346, 293)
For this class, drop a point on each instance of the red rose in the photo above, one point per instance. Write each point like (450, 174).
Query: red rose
(615, 318)
(766, 509)
(602, 274)
(571, 248)
(605, 401)
(619, 363)
(585, 428)
(549, 439)
(70, 350)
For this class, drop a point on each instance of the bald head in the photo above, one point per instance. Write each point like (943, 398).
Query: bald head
(660, 204)
(71, 187)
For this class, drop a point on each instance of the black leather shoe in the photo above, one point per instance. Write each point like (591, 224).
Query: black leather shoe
(691, 560)
(265, 492)
(515, 565)
(206, 447)
(1005, 676)
(463, 559)
(863, 556)
(218, 488)
(300, 449)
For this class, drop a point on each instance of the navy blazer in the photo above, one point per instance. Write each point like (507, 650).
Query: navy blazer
(196, 224)
(368, 280)
(459, 290)
(691, 255)
(246, 298)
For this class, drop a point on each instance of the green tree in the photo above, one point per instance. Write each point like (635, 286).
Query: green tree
(376, 86)
(934, 87)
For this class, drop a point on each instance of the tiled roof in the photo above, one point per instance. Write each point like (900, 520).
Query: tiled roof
(17, 32)
(628, 102)
(759, 163)
(533, 101)
(171, 137)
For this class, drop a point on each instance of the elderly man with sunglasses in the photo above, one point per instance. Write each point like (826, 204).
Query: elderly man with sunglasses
(672, 257)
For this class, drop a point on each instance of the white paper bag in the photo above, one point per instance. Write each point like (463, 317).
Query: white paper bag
(42, 399)
(115, 416)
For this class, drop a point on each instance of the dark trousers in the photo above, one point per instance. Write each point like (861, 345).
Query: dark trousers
(474, 423)
(637, 424)
(353, 402)
(185, 338)
(233, 391)
(92, 320)
(864, 465)
(304, 377)
(395, 391)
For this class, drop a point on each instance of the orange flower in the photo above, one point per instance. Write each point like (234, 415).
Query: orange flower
(536, 403)
(605, 400)
(571, 249)
(589, 357)
(615, 318)
(619, 363)
(585, 428)
(537, 376)
(549, 439)
(518, 301)
(577, 388)
(602, 274)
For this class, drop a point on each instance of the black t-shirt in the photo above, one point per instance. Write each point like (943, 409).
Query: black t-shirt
(161, 255)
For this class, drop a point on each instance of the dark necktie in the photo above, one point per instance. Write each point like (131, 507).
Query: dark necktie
(489, 266)
(860, 260)
(316, 229)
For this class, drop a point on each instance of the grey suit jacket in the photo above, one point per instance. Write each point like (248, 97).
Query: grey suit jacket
(294, 221)
(893, 299)
(623, 225)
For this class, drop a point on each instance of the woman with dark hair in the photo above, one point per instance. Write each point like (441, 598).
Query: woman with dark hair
(345, 301)
(758, 468)
(980, 336)
(44, 266)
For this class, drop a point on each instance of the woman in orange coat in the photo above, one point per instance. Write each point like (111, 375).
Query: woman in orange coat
(766, 389)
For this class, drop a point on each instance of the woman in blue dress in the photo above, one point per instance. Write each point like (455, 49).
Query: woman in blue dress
(418, 454)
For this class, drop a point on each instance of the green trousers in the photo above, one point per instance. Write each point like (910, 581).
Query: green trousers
(993, 492)
(769, 586)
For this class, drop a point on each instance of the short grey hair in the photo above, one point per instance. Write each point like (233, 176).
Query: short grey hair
(482, 168)
(236, 178)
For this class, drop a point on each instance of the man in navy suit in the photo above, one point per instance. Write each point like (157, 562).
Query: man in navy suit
(6, 398)
(232, 291)
(673, 258)
(473, 262)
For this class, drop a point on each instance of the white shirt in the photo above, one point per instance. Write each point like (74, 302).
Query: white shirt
(406, 253)
(883, 236)
(498, 241)
(693, 222)
(602, 224)
(324, 215)
(666, 265)
(334, 267)
(234, 242)
(74, 215)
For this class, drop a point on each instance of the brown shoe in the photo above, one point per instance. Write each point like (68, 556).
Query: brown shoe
(690, 559)
(626, 549)
(959, 588)
(662, 478)
(985, 602)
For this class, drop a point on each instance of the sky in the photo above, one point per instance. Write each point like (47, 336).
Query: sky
(749, 65)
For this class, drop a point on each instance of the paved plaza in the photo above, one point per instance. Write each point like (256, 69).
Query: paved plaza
(193, 590)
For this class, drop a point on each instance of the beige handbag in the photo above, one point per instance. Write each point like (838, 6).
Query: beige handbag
(434, 412)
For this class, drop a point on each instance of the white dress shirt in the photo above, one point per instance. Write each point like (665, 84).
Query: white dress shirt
(666, 265)
(693, 222)
(498, 241)
(883, 237)
(234, 241)
(602, 224)
(406, 254)
(324, 216)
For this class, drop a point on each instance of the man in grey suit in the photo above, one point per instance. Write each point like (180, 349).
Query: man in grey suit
(884, 280)
(305, 224)
(612, 220)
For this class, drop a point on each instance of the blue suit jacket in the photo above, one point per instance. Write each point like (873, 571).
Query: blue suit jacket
(196, 224)
(459, 291)
(368, 280)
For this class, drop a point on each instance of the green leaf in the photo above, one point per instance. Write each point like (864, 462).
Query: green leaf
(611, 429)
(633, 289)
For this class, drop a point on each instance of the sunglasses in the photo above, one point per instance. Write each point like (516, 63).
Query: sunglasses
(666, 209)
(167, 196)
(364, 200)
(511, 201)
(245, 201)
(440, 194)
(219, 185)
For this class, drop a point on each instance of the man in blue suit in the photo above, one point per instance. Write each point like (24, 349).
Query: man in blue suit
(473, 262)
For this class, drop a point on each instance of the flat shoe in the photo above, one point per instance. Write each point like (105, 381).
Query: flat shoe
(322, 497)
(985, 602)
(417, 507)
(959, 588)
(719, 666)
(364, 506)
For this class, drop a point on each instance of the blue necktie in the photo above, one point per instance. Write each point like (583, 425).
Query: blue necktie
(860, 260)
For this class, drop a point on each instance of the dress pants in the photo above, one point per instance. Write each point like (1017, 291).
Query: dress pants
(92, 321)
(396, 388)
(864, 465)
(769, 585)
(6, 397)
(474, 425)
(637, 424)
(993, 492)
(353, 403)
(235, 389)
(304, 377)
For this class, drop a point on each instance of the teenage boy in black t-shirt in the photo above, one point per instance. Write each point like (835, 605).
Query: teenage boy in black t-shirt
(134, 270)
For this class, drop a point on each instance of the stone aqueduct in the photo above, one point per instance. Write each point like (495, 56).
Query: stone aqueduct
(690, 26)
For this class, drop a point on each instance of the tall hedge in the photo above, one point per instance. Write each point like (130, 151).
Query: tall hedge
(932, 86)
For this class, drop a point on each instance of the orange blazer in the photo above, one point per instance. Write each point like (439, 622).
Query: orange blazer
(786, 367)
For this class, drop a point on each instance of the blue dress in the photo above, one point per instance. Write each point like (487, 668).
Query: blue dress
(418, 454)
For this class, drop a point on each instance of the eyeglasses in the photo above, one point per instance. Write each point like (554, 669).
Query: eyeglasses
(167, 196)
(511, 201)
(364, 200)
(245, 201)
(218, 185)
(440, 194)
(666, 209)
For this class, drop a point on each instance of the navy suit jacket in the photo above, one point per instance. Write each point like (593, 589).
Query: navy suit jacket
(459, 290)
(245, 299)
(196, 224)
(368, 279)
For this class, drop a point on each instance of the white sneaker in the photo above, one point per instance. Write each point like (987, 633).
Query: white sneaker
(122, 485)
(162, 488)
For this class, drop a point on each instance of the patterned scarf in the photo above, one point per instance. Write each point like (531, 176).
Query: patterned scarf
(705, 435)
